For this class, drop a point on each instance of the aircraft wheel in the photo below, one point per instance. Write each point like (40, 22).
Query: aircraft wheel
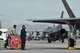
(49, 40)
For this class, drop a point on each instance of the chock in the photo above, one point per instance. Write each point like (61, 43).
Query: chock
(72, 48)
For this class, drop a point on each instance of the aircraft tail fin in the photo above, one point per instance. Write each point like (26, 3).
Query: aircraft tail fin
(68, 9)
(60, 25)
(62, 14)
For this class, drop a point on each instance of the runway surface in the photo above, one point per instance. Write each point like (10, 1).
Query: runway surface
(44, 47)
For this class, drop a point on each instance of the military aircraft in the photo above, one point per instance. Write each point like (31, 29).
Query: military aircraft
(72, 21)
(54, 32)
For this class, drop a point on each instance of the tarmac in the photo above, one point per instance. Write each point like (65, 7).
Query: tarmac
(44, 47)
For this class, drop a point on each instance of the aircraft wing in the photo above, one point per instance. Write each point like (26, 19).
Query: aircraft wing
(70, 21)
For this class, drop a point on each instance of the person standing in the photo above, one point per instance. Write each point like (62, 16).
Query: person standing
(13, 31)
(23, 37)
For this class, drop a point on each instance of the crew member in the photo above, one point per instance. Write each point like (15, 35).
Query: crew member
(23, 37)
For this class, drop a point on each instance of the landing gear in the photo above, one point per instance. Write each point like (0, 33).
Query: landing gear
(71, 41)
(49, 40)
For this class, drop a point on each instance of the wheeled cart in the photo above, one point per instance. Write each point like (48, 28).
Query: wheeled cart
(14, 41)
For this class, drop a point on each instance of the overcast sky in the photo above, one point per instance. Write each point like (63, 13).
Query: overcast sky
(17, 11)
